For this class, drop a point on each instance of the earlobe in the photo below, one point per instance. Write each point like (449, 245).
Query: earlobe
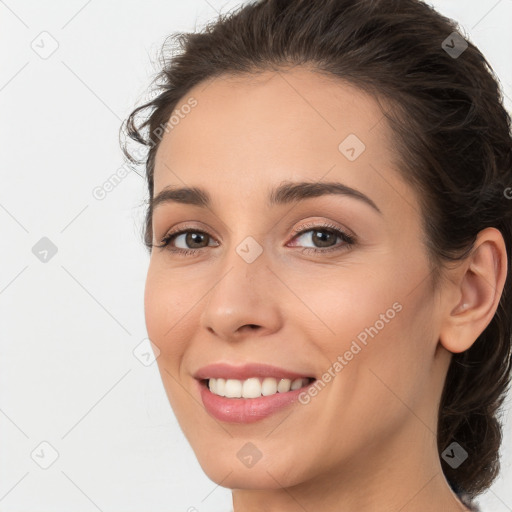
(479, 289)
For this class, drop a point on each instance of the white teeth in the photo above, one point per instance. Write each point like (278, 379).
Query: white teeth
(269, 386)
(296, 384)
(253, 387)
(233, 388)
(284, 385)
(220, 386)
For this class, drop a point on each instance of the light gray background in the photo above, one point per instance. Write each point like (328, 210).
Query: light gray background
(68, 375)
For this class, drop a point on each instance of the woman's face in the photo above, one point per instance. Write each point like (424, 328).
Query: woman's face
(359, 315)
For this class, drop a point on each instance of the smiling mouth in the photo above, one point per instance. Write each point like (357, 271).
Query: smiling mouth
(254, 387)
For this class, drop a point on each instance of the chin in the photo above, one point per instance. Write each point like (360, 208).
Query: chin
(230, 472)
(246, 478)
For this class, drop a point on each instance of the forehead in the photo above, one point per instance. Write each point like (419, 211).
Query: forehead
(247, 132)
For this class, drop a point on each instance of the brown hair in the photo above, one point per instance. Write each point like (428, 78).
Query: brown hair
(452, 134)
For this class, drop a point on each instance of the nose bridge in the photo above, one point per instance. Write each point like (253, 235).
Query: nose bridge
(244, 293)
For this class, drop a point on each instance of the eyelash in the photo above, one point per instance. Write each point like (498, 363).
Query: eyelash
(348, 240)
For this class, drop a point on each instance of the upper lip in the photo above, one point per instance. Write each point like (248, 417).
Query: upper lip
(246, 371)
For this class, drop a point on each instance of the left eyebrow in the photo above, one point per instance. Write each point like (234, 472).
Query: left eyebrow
(288, 192)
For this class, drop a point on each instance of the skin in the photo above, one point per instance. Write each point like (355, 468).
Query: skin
(367, 440)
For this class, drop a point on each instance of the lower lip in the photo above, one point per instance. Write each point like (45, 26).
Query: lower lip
(246, 410)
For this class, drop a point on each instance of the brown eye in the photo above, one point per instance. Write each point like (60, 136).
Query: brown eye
(194, 239)
(191, 239)
(324, 239)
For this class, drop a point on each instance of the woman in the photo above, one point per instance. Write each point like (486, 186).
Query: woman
(329, 225)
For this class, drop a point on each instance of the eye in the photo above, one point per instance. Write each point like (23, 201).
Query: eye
(323, 238)
(192, 239)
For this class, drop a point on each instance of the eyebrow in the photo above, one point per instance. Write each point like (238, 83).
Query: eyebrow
(285, 193)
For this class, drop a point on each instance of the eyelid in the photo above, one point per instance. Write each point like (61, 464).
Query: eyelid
(324, 225)
(185, 227)
(349, 239)
(299, 229)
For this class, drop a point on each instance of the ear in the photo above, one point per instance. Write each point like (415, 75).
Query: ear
(479, 283)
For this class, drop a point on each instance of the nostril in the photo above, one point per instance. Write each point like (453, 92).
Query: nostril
(251, 327)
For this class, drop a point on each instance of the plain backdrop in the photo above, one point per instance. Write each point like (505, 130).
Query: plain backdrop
(84, 421)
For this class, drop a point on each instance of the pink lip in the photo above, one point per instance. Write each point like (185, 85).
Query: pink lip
(245, 410)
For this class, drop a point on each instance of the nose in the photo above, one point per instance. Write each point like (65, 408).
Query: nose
(243, 302)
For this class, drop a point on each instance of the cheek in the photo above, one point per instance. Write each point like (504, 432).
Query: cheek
(165, 311)
(392, 337)
(380, 323)
(353, 306)
(155, 308)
